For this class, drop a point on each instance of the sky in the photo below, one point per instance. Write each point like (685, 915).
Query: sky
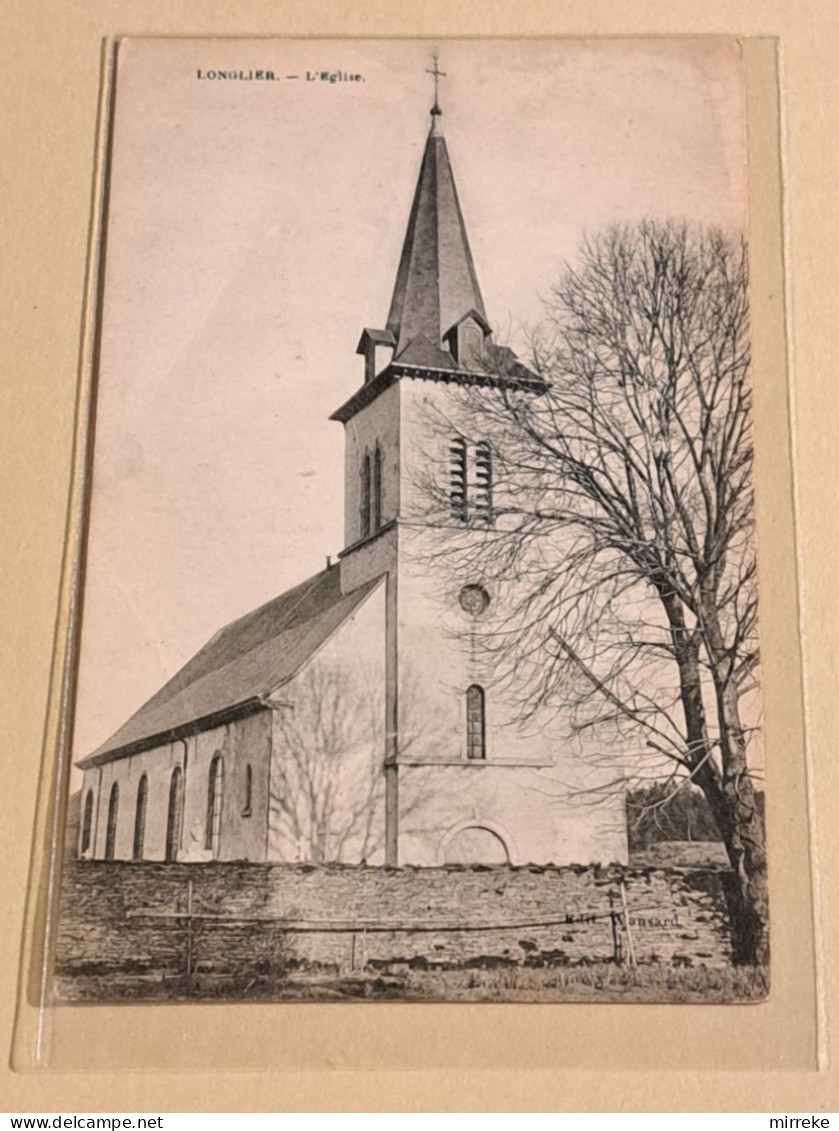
(254, 229)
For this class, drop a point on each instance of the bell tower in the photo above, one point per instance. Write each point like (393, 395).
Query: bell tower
(437, 335)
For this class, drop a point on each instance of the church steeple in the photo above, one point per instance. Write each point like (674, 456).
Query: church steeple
(436, 284)
(437, 328)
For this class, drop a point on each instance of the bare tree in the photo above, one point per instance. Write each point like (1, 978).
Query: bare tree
(327, 787)
(327, 783)
(667, 812)
(621, 532)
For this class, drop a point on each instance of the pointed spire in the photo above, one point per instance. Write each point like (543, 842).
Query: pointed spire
(436, 284)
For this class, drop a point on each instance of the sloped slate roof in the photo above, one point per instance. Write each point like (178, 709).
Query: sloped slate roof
(422, 353)
(243, 662)
(380, 337)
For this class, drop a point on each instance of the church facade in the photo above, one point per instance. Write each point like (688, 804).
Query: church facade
(347, 720)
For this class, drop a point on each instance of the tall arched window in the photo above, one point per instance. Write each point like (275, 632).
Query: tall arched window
(113, 813)
(246, 808)
(366, 483)
(377, 488)
(215, 791)
(140, 818)
(475, 722)
(173, 818)
(87, 822)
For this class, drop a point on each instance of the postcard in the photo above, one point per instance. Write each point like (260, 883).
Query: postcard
(419, 651)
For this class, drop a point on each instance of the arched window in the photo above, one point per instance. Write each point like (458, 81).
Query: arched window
(366, 477)
(458, 496)
(475, 723)
(215, 791)
(246, 808)
(173, 818)
(377, 489)
(87, 821)
(483, 481)
(140, 818)
(113, 812)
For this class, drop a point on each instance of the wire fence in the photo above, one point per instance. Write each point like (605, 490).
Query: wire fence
(189, 922)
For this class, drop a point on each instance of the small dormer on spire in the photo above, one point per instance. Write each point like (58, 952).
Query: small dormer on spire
(369, 344)
(465, 340)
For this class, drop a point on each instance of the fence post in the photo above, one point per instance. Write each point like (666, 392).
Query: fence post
(616, 936)
(630, 946)
(189, 961)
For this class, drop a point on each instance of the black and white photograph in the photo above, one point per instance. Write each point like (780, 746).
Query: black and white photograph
(419, 652)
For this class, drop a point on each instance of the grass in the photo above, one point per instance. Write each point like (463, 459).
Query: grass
(601, 982)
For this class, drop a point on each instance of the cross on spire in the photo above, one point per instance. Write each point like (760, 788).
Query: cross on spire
(438, 74)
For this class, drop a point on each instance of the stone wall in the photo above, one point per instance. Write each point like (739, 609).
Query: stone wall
(124, 919)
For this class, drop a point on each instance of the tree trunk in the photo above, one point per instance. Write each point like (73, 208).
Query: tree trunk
(732, 801)
(730, 793)
(743, 828)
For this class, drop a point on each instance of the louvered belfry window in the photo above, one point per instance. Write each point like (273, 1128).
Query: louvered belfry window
(458, 484)
(483, 481)
(475, 722)
(470, 481)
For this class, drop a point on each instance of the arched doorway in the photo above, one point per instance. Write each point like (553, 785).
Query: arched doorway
(474, 843)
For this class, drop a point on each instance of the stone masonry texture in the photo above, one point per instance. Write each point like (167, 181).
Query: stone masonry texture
(120, 919)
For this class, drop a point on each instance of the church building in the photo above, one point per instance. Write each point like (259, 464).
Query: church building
(347, 719)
